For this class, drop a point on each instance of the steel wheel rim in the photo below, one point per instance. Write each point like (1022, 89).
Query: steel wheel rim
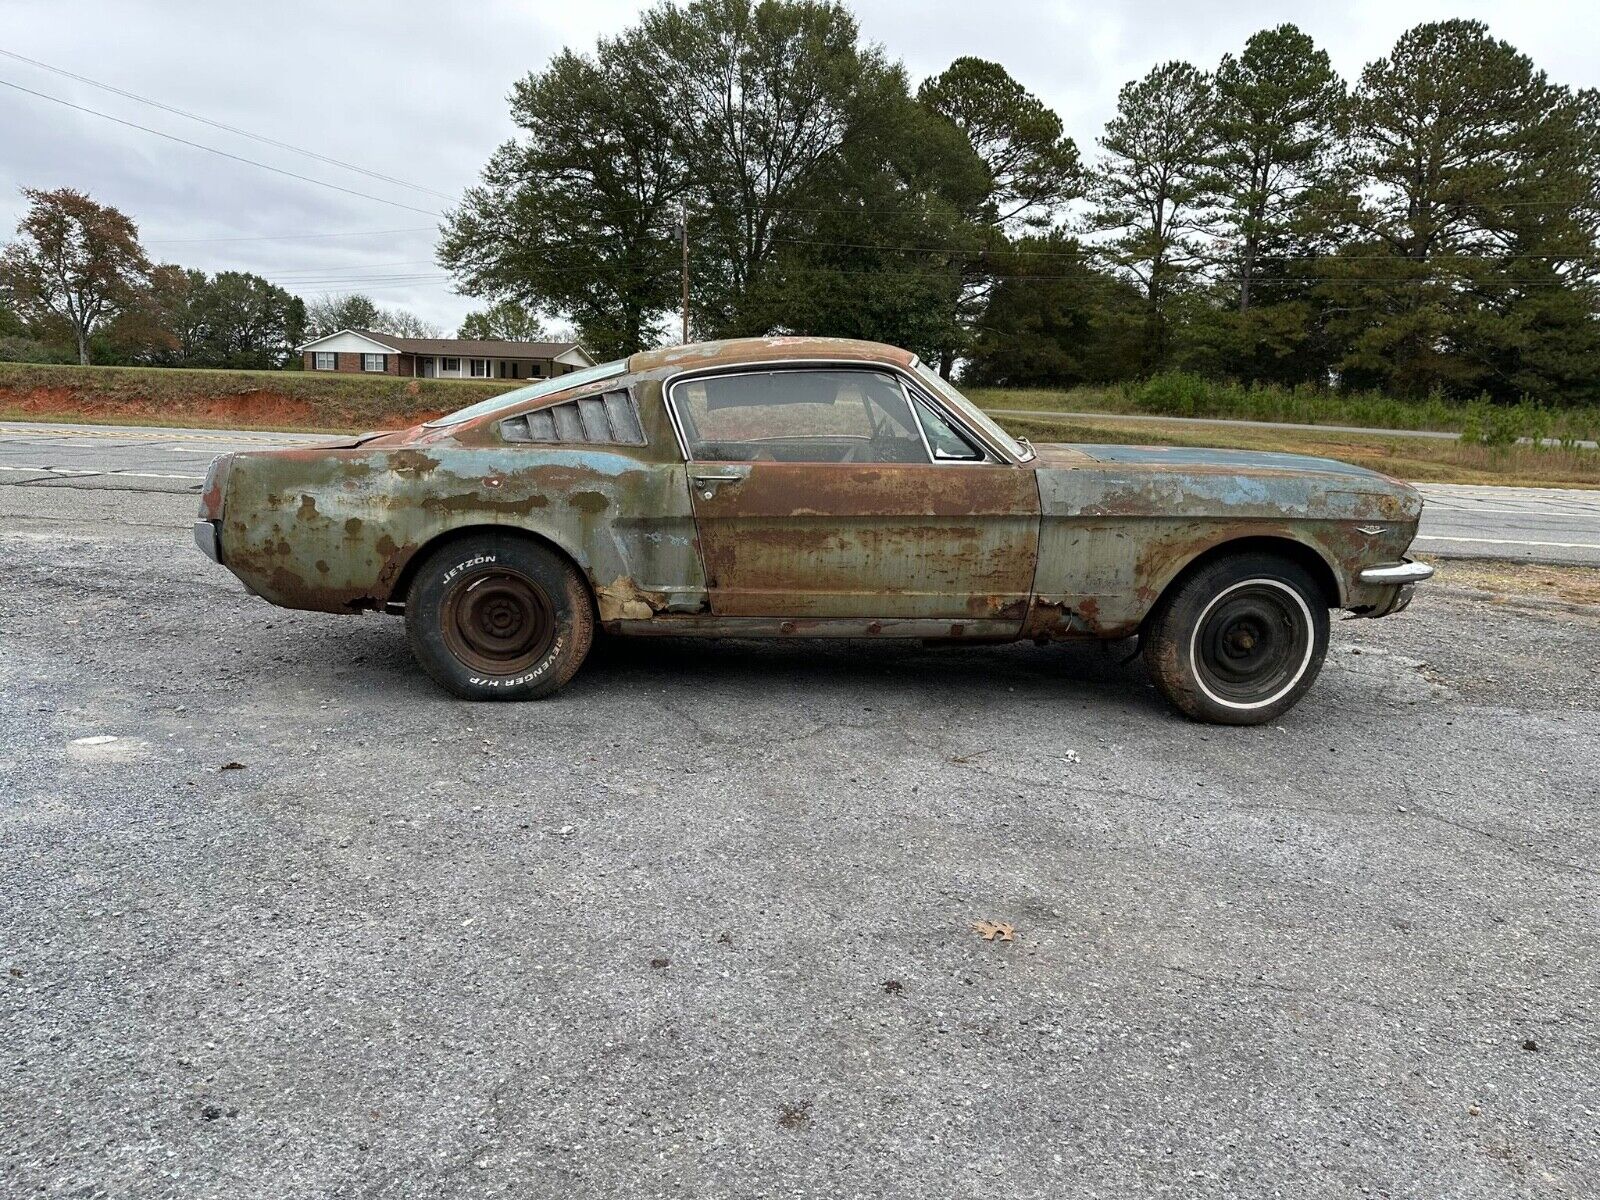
(1252, 643)
(498, 621)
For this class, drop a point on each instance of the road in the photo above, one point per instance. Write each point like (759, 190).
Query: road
(280, 919)
(1537, 524)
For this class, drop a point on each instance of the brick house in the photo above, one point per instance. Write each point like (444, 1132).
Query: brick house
(365, 351)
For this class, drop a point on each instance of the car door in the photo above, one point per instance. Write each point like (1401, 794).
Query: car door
(817, 495)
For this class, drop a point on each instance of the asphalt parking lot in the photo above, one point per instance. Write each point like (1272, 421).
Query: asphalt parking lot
(702, 924)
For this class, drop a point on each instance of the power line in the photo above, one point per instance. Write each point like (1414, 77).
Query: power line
(337, 162)
(292, 237)
(213, 150)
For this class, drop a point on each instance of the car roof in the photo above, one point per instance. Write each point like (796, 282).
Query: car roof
(734, 352)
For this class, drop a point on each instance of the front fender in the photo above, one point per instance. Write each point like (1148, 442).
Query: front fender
(1112, 541)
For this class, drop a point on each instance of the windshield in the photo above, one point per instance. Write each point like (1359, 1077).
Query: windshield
(533, 391)
(972, 412)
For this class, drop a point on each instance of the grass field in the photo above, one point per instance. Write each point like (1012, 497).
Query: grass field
(1433, 460)
(1179, 395)
(335, 403)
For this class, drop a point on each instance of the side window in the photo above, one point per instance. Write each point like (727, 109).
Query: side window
(824, 416)
(947, 442)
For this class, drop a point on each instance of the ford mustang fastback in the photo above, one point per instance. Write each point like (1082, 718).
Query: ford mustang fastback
(805, 487)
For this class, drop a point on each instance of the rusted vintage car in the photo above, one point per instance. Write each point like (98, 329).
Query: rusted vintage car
(800, 487)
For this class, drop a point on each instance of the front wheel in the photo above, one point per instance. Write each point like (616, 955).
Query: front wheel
(499, 617)
(1240, 640)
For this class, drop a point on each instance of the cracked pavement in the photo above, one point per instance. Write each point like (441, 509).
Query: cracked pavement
(638, 940)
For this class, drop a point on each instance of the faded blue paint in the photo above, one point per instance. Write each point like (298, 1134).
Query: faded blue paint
(1247, 460)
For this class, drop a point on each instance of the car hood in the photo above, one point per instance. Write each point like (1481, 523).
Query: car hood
(1185, 457)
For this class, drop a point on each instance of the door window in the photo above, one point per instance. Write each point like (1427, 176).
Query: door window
(824, 416)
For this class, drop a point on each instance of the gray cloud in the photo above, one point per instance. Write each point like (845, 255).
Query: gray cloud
(418, 91)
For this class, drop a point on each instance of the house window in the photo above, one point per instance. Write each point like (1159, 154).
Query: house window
(450, 364)
(480, 368)
(375, 362)
(535, 371)
(325, 360)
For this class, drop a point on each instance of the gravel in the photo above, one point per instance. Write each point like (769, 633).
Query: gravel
(703, 924)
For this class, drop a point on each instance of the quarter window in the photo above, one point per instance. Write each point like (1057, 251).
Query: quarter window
(947, 442)
(375, 362)
(829, 416)
(326, 361)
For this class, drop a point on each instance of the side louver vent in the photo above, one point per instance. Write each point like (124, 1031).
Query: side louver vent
(608, 419)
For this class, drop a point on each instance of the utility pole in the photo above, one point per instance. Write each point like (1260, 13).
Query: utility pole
(683, 235)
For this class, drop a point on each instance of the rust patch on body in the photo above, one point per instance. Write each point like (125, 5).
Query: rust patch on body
(623, 600)
(589, 502)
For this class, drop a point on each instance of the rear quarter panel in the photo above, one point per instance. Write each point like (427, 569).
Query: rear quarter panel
(334, 530)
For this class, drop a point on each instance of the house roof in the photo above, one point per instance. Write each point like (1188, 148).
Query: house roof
(459, 347)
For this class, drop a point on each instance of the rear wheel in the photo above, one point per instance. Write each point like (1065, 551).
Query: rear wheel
(1240, 640)
(499, 617)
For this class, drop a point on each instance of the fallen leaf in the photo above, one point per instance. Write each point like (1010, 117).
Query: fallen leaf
(893, 986)
(231, 766)
(660, 963)
(995, 930)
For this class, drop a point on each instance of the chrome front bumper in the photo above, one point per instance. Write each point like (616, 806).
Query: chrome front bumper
(1400, 572)
(205, 536)
(1391, 586)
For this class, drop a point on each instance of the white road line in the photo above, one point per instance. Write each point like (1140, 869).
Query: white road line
(107, 474)
(1436, 537)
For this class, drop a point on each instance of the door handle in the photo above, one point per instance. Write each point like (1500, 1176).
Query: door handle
(708, 483)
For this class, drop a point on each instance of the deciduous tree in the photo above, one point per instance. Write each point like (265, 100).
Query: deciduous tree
(507, 321)
(74, 261)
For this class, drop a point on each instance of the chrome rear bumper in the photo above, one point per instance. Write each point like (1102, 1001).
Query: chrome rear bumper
(205, 536)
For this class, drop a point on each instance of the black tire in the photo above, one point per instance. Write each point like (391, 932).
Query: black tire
(1239, 640)
(499, 617)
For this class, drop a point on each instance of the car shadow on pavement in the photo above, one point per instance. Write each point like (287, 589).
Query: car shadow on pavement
(375, 652)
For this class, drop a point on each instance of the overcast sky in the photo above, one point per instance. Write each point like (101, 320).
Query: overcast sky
(417, 91)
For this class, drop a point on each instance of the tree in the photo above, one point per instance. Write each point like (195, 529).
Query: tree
(331, 313)
(1033, 167)
(1473, 208)
(232, 319)
(1032, 171)
(1273, 126)
(577, 215)
(768, 94)
(74, 261)
(507, 321)
(1055, 319)
(886, 261)
(403, 323)
(1149, 190)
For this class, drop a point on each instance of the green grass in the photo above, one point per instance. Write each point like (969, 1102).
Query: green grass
(1180, 395)
(1434, 460)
